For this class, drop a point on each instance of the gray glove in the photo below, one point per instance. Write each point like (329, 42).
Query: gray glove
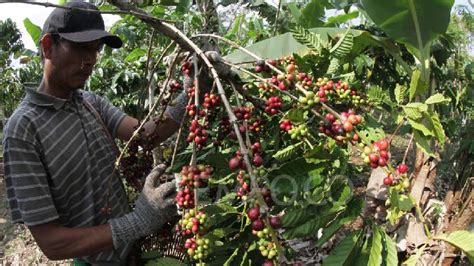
(154, 207)
(216, 60)
(176, 111)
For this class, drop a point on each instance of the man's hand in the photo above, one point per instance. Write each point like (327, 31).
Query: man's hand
(217, 61)
(154, 207)
(159, 200)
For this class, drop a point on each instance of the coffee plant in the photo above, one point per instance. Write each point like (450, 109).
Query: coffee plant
(277, 143)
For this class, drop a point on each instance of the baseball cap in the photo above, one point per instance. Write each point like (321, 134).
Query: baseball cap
(77, 25)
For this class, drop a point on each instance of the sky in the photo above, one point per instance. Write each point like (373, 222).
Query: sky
(38, 14)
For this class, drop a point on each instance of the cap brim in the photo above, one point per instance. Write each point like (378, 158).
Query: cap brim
(92, 35)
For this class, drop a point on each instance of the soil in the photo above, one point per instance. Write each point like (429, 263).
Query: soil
(17, 245)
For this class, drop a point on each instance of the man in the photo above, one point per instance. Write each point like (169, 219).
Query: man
(58, 155)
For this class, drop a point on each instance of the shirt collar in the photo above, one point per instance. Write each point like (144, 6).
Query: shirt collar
(41, 99)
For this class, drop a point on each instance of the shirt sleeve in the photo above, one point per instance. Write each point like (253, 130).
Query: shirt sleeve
(26, 180)
(111, 115)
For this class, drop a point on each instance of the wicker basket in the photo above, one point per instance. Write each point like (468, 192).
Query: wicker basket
(167, 242)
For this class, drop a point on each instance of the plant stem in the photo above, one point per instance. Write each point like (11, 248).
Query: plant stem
(233, 121)
(408, 148)
(271, 84)
(275, 29)
(298, 86)
(395, 131)
(175, 150)
(116, 12)
(196, 117)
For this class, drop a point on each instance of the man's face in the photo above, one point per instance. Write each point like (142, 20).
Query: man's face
(72, 63)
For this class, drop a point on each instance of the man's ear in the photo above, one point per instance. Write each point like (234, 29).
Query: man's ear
(46, 45)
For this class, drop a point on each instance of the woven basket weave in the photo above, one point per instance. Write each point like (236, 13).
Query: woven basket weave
(167, 241)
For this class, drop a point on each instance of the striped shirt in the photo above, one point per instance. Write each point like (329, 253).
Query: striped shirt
(58, 159)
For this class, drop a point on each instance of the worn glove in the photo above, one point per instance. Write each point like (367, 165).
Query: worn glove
(154, 207)
(216, 60)
(177, 110)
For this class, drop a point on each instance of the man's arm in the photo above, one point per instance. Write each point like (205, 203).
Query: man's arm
(58, 242)
(154, 207)
(164, 129)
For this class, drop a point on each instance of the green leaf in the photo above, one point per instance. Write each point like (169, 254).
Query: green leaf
(288, 152)
(422, 142)
(319, 155)
(222, 232)
(417, 86)
(376, 94)
(235, 26)
(295, 216)
(375, 258)
(312, 14)
(168, 2)
(166, 261)
(333, 66)
(363, 254)
(332, 21)
(344, 46)
(438, 128)
(219, 208)
(400, 92)
(391, 258)
(62, 2)
(421, 127)
(464, 240)
(309, 228)
(33, 30)
(289, 177)
(305, 37)
(151, 255)
(286, 44)
(352, 211)
(294, 10)
(415, 110)
(216, 180)
(408, 21)
(413, 259)
(340, 254)
(405, 203)
(296, 116)
(135, 54)
(373, 130)
(437, 98)
(231, 258)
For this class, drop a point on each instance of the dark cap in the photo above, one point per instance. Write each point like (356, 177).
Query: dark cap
(78, 25)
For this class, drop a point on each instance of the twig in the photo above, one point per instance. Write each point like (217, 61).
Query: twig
(175, 150)
(196, 117)
(163, 27)
(196, 105)
(163, 54)
(395, 131)
(257, 102)
(150, 48)
(408, 148)
(153, 108)
(233, 121)
(276, 17)
(47, 4)
(247, 136)
(271, 84)
(298, 86)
